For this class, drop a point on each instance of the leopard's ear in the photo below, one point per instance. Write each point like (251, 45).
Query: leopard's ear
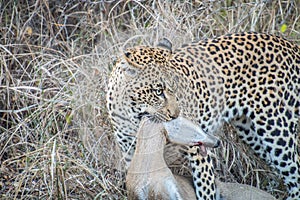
(128, 69)
(166, 48)
(137, 56)
(140, 57)
(165, 44)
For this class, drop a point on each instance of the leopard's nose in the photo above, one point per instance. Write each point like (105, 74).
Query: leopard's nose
(173, 114)
(173, 117)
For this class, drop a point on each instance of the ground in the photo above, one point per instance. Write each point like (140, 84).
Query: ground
(55, 59)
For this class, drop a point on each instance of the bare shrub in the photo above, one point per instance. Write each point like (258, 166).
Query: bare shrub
(55, 58)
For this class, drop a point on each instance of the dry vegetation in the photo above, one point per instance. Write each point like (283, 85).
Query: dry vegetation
(55, 58)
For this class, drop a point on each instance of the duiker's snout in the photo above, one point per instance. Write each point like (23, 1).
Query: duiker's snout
(183, 131)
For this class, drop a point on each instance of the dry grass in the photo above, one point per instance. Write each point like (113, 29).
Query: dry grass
(55, 58)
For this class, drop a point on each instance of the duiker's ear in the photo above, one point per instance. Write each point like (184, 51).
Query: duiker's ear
(165, 44)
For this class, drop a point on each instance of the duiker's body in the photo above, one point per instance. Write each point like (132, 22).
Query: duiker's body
(148, 176)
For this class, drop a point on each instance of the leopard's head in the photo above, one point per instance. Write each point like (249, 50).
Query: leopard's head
(147, 88)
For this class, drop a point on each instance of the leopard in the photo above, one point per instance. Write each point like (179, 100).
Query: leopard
(250, 80)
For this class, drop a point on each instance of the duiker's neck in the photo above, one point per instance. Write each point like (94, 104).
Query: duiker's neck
(149, 153)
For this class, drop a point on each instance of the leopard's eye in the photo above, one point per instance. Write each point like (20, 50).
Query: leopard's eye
(159, 92)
